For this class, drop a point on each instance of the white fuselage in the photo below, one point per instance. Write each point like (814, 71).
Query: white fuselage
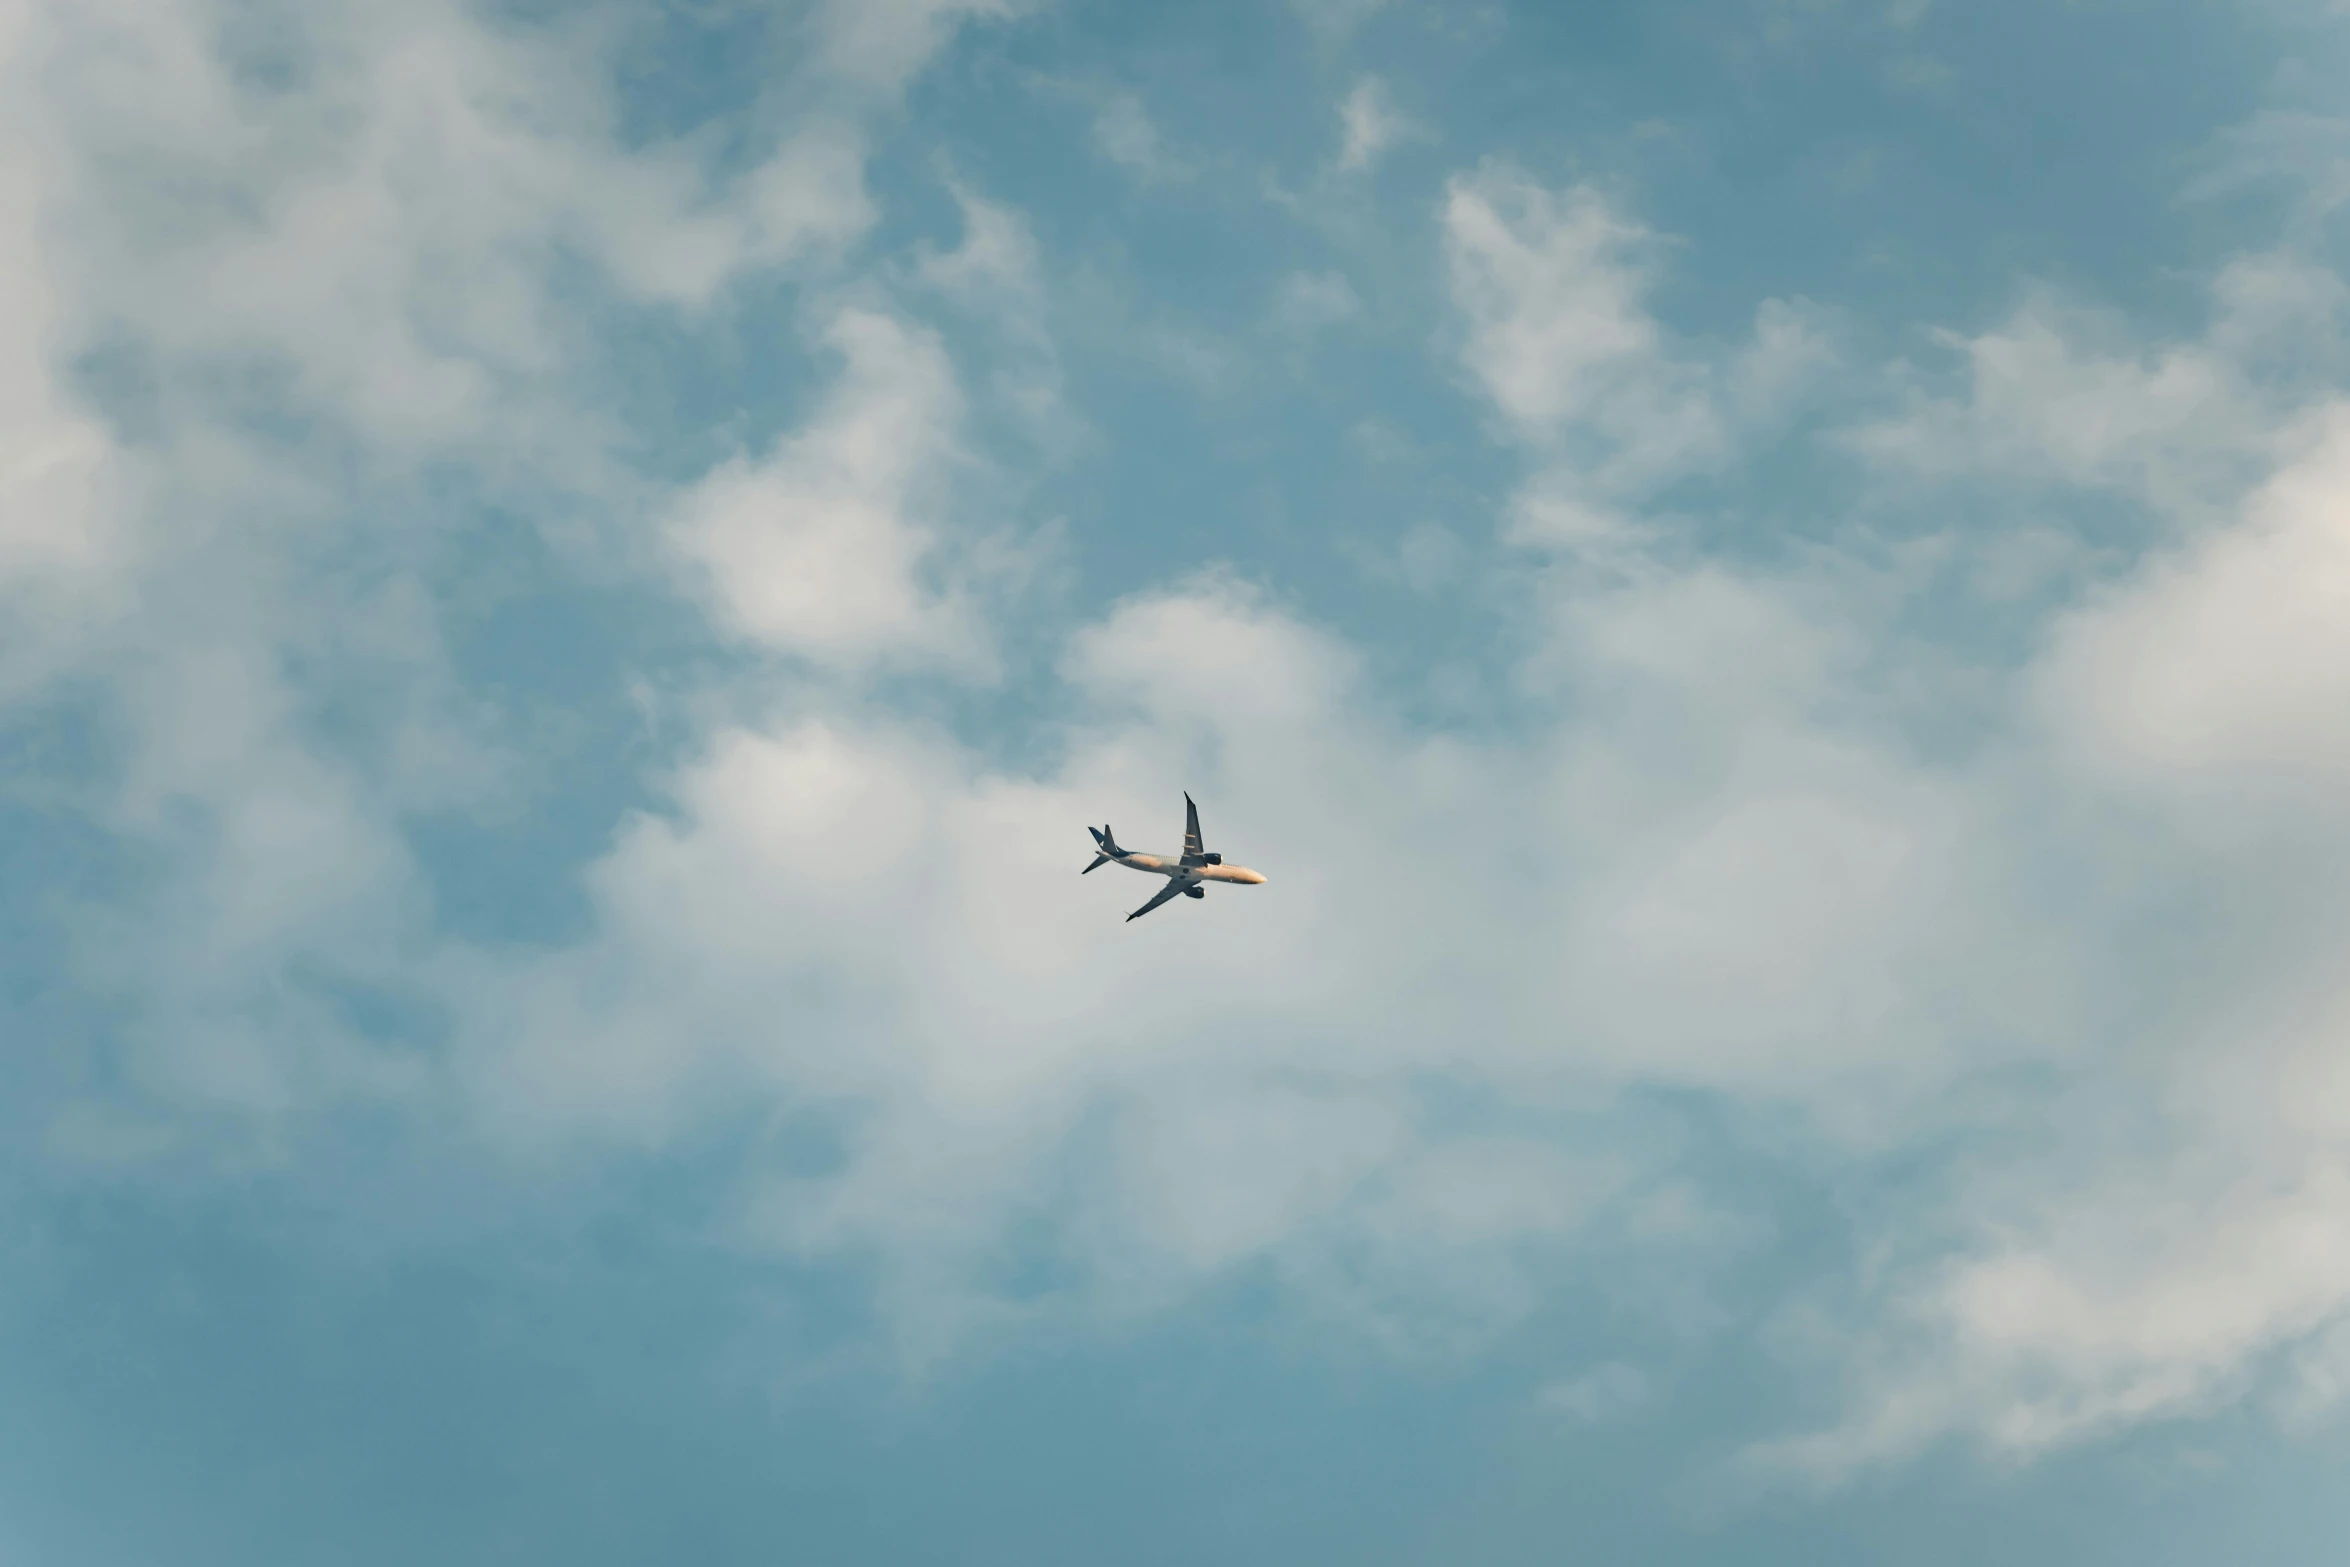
(1172, 865)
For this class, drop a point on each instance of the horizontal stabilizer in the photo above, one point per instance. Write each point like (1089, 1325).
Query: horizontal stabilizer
(1099, 861)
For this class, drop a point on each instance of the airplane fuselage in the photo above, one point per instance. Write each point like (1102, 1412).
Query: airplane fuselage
(1172, 865)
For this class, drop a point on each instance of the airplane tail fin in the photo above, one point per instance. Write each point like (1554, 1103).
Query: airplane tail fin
(1105, 847)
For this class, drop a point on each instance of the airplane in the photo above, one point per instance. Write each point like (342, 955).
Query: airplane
(1184, 875)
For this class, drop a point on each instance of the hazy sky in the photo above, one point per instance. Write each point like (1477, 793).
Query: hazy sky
(1768, 581)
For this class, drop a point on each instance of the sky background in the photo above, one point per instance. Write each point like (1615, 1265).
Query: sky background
(1768, 581)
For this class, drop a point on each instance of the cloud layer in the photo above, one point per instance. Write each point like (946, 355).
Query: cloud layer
(315, 317)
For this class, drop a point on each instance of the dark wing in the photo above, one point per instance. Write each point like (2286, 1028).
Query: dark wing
(1194, 852)
(1175, 884)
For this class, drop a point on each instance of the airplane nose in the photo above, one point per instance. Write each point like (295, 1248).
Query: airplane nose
(1256, 878)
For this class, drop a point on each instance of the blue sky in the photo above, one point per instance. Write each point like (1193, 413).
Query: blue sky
(1766, 581)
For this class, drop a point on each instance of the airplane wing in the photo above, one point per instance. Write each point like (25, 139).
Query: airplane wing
(1194, 852)
(1175, 884)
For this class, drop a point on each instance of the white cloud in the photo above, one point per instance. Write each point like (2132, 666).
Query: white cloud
(884, 43)
(1211, 1183)
(1792, 350)
(2063, 395)
(850, 914)
(2188, 707)
(1551, 287)
(2300, 150)
(996, 279)
(996, 261)
(1428, 555)
(2319, 1384)
(60, 479)
(1309, 301)
(2127, 1304)
(857, 915)
(1720, 859)
(341, 294)
(1602, 1393)
(387, 230)
(818, 548)
(1337, 19)
(1124, 132)
(808, 195)
(2221, 666)
(1369, 125)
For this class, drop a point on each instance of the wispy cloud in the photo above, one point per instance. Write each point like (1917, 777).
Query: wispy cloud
(1337, 19)
(1369, 124)
(1552, 288)
(1309, 300)
(818, 547)
(329, 375)
(1124, 133)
